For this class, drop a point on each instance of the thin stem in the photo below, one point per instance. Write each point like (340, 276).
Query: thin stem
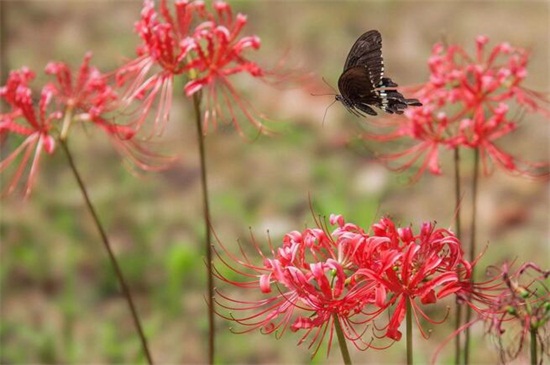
(458, 227)
(69, 305)
(341, 340)
(475, 185)
(107, 245)
(533, 346)
(408, 322)
(207, 239)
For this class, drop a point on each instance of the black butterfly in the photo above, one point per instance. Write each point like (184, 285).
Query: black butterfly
(363, 83)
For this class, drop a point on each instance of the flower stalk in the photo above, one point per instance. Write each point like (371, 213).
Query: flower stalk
(67, 121)
(207, 223)
(458, 228)
(112, 257)
(341, 340)
(533, 347)
(472, 253)
(408, 323)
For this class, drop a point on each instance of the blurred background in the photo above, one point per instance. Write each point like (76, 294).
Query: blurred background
(59, 297)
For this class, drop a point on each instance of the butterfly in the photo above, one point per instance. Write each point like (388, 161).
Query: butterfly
(362, 83)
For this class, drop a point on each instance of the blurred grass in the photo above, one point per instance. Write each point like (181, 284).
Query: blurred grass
(59, 299)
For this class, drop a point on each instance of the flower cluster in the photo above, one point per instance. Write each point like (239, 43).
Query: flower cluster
(84, 97)
(520, 313)
(25, 121)
(318, 277)
(467, 104)
(204, 46)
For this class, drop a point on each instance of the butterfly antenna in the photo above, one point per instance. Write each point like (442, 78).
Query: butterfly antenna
(330, 86)
(326, 111)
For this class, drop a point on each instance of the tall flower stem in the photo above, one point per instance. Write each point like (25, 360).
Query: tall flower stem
(207, 238)
(341, 341)
(408, 322)
(458, 228)
(69, 306)
(107, 245)
(472, 254)
(533, 347)
(458, 225)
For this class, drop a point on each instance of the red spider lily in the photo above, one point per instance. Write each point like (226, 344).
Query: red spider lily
(309, 283)
(82, 97)
(86, 96)
(217, 54)
(317, 277)
(206, 47)
(166, 44)
(34, 125)
(514, 306)
(425, 266)
(466, 104)
(521, 311)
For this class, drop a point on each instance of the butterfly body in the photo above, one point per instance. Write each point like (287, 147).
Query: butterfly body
(362, 84)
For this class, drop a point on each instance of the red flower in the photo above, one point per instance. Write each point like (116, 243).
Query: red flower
(466, 104)
(72, 98)
(166, 44)
(86, 96)
(409, 266)
(206, 47)
(34, 125)
(522, 308)
(317, 277)
(513, 305)
(308, 282)
(217, 54)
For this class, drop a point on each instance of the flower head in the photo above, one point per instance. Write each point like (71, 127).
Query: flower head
(521, 310)
(467, 104)
(72, 97)
(408, 266)
(514, 305)
(206, 46)
(161, 56)
(218, 53)
(87, 96)
(33, 123)
(308, 283)
(319, 276)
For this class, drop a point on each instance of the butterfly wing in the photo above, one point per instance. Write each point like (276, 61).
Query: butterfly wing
(357, 89)
(367, 52)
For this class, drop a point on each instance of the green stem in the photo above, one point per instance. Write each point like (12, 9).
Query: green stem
(458, 227)
(341, 340)
(472, 254)
(207, 239)
(107, 245)
(408, 322)
(534, 344)
(69, 305)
